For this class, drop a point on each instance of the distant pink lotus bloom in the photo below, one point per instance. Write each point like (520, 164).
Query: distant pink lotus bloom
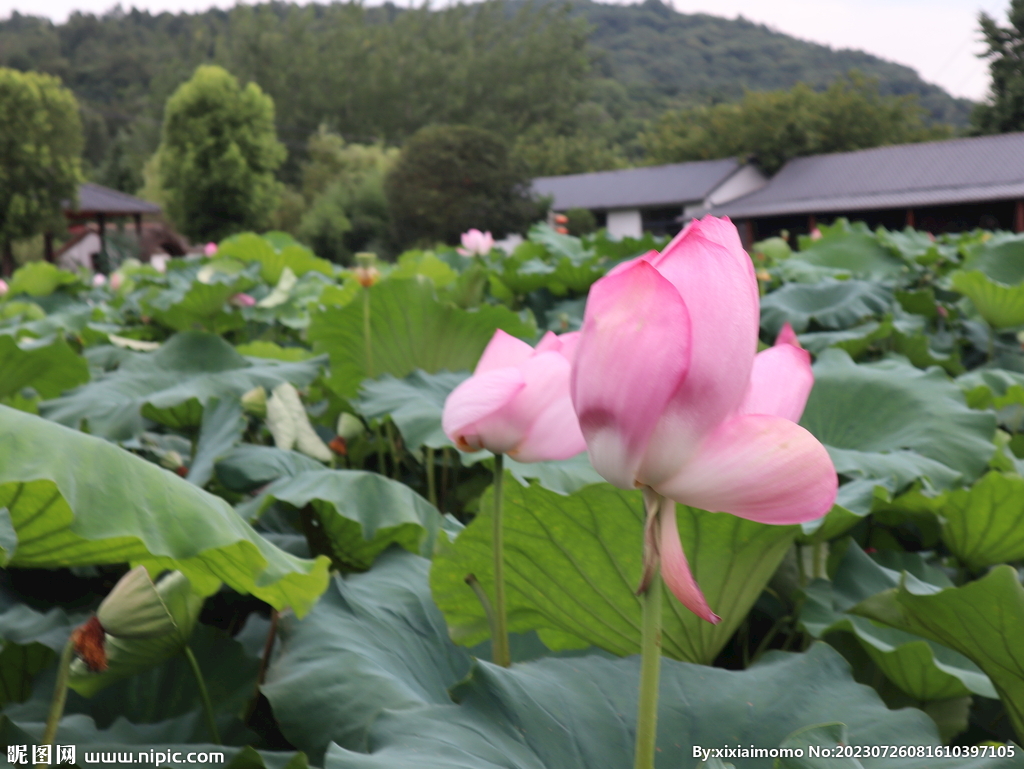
(673, 397)
(4, 288)
(476, 243)
(99, 280)
(210, 249)
(242, 300)
(517, 401)
(116, 280)
(816, 234)
(159, 262)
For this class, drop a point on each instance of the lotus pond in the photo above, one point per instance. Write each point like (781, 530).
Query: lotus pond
(261, 430)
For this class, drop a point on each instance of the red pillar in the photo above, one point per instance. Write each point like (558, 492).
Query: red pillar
(1018, 216)
(812, 223)
(910, 219)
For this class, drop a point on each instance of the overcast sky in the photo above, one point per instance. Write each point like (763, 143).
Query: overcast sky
(938, 38)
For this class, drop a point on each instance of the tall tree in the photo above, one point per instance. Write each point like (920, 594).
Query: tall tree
(218, 156)
(451, 178)
(775, 126)
(40, 154)
(1004, 109)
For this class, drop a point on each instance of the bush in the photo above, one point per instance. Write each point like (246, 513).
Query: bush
(451, 178)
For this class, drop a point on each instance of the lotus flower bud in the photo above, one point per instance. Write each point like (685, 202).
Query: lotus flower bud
(242, 300)
(350, 426)
(210, 249)
(366, 272)
(4, 288)
(255, 402)
(99, 280)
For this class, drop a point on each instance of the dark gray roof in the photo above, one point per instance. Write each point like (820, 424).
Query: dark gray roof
(94, 199)
(902, 176)
(669, 185)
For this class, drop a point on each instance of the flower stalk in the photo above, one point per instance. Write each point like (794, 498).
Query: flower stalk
(499, 643)
(60, 693)
(204, 695)
(650, 644)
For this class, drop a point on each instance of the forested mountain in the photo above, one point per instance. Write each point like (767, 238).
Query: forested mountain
(591, 74)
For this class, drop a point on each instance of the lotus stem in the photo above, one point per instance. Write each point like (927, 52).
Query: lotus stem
(60, 693)
(485, 602)
(446, 459)
(499, 642)
(431, 481)
(381, 467)
(204, 695)
(650, 669)
(396, 467)
(366, 333)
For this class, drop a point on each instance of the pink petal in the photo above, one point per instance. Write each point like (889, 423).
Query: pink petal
(474, 400)
(787, 336)
(555, 434)
(550, 341)
(569, 342)
(633, 353)
(764, 468)
(503, 350)
(715, 278)
(780, 382)
(504, 430)
(675, 571)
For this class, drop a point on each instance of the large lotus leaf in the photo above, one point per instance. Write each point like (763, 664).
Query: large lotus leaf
(1000, 305)
(49, 368)
(573, 564)
(222, 428)
(171, 383)
(76, 500)
(893, 422)
(375, 641)
(414, 403)
(199, 306)
(273, 256)
(982, 620)
(39, 279)
(1000, 257)
(360, 513)
(371, 667)
(19, 665)
(922, 668)
(850, 250)
(916, 246)
(830, 304)
(409, 329)
(247, 467)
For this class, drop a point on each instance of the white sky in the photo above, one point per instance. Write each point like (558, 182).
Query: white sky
(938, 38)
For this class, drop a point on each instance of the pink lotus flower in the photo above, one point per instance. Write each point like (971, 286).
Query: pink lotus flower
(242, 300)
(116, 280)
(476, 243)
(210, 249)
(99, 280)
(4, 288)
(672, 396)
(517, 401)
(159, 262)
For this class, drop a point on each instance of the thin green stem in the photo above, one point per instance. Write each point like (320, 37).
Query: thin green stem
(431, 481)
(818, 560)
(366, 333)
(396, 452)
(211, 724)
(60, 693)
(485, 602)
(650, 668)
(381, 467)
(499, 643)
(446, 461)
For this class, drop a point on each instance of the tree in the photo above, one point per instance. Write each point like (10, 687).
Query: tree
(40, 154)
(1004, 110)
(218, 155)
(451, 178)
(775, 126)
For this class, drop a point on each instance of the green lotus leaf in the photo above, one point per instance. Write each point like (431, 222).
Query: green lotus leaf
(76, 500)
(170, 385)
(409, 329)
(848, 249)
(49, 368)
(894, 423)
(1000, 305)
(39, 279)
(358, 514)
(247, 467)
(830, 304)
(221, 430)
(999, 256)
(372, 671)
(273, 256)
(573, 564)
(978, 620)
(415, 404)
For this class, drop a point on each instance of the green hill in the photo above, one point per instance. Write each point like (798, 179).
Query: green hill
(380, 73)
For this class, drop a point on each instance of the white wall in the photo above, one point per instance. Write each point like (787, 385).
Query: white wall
(746, 180)
(625, 223)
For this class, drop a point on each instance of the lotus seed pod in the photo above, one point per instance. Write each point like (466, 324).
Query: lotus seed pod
(255, 402)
